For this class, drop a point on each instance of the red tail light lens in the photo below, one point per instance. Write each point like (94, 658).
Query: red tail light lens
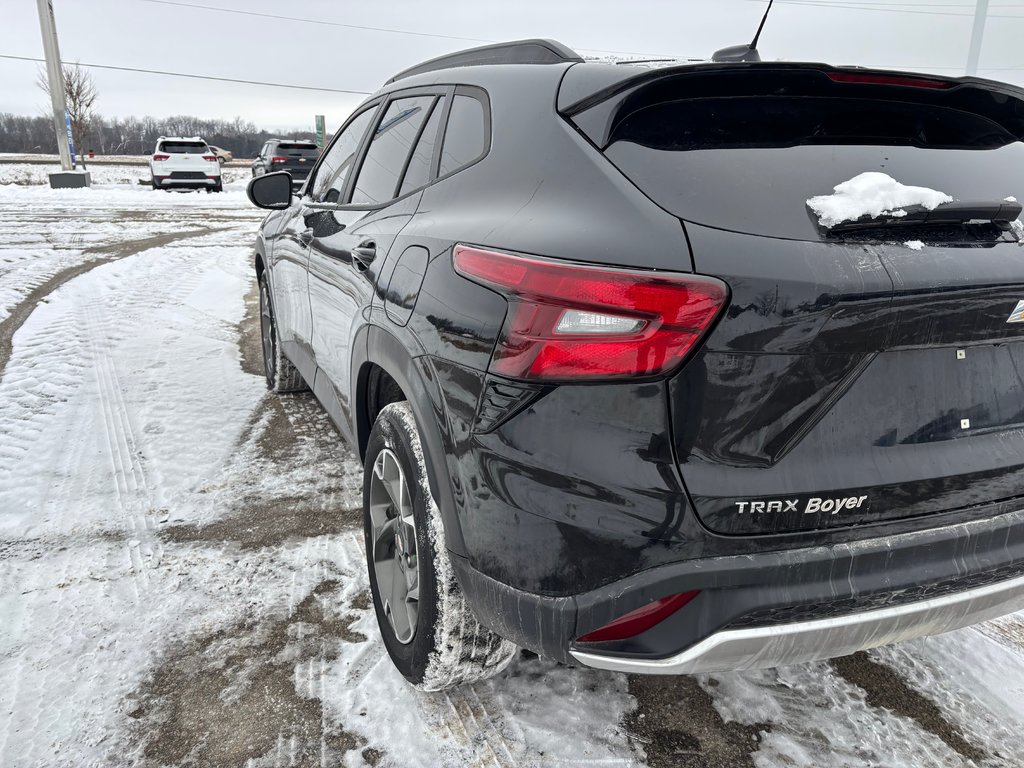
(871, 79)
(570, 321)
(279, 159)
(639, 621)
(161, 157)
(210, 158)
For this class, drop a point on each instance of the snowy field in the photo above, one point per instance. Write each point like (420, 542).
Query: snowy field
(181, 574)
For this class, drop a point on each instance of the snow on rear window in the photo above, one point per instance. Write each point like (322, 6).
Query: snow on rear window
(872, 194)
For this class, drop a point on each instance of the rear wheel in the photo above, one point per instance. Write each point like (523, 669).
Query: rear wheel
(281, 375)
(428, 629)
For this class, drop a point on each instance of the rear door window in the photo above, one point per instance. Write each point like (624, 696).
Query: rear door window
(392, 141)
(465, 136)
(418, 171)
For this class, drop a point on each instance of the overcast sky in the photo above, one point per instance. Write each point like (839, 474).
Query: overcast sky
(921, 35)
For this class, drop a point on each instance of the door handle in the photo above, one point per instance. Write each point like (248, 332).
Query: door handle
(364, 254)
(306, 236)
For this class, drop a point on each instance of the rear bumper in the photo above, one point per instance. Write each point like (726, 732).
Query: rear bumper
(797, 642)
(209, 181)
(777, 607)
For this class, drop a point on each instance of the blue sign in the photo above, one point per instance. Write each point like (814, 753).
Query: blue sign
(71, 140)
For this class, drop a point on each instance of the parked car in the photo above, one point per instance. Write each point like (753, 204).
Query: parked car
(184, 163)
(296, 157)
(622, 397)
(223, 155)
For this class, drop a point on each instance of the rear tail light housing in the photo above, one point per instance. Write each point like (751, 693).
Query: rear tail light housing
(570, 321)
(639, 621)
(279, 160)
(212, 158)
(159, 157)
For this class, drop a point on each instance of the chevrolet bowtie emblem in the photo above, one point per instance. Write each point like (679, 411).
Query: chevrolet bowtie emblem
(1017, 316)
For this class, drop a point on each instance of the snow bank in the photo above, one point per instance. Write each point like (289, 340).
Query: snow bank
(872, 194)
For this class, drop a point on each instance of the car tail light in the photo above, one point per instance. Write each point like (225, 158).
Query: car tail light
(161, 157)
(904, 80)
(279, 159)
(572, 321)
(639, 621)
(210, 157)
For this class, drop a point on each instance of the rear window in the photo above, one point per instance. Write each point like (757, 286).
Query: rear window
(182, 147)
(298, 150)
(744, 150)
(789, 121)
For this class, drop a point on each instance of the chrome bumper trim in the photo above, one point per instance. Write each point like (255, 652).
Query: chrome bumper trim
(798, 642)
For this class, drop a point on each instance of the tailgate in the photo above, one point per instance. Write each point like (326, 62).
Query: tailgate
(857, 375)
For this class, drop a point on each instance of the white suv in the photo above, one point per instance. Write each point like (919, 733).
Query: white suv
(184, 163)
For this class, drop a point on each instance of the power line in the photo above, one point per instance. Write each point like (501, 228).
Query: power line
(860, 6)
(389, 30)
(195, 77)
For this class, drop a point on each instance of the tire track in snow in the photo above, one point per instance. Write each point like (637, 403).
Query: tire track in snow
(131, 487)
(106, 254)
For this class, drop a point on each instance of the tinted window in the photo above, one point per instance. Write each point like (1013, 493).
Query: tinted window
(465, 135)
(181, 147)
(392, 142)
(297, 150)
(418, 172)
(337, 163)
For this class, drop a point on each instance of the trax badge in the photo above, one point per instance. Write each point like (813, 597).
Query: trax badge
(1017, 316)
(813, 505)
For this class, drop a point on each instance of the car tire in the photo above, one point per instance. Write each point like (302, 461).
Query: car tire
(281, 374)
(437, 643)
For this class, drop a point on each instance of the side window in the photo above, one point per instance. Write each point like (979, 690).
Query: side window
(337, 163)
(465, 136)
(265, 152)
(418, 171)
(392, 141)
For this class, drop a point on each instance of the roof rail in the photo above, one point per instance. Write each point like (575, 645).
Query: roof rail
(516, 52)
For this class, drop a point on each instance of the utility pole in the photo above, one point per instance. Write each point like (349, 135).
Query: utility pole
(61, 122)
(980, 13)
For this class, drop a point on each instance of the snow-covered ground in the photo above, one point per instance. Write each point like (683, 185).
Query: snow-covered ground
(104, 175)
(181, 570)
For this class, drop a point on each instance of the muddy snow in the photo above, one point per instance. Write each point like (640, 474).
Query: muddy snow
(181, 571)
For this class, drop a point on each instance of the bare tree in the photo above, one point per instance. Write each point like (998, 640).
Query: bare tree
(80, 94)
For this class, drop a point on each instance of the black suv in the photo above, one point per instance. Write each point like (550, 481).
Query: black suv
(623, 397)
(296, 157)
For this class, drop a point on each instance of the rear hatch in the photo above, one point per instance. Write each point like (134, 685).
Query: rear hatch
(869, 371)
(185, 157)
(297, 157)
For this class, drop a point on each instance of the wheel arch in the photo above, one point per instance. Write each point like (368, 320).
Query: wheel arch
(387, 364)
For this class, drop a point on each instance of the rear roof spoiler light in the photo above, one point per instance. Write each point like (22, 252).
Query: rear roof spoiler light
(878, 79)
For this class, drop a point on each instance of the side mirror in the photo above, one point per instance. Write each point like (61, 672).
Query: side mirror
(272, 191)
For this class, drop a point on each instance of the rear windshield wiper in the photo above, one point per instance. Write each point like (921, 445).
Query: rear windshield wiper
(957, 213)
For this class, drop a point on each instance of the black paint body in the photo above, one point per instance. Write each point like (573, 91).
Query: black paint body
(833, 372)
